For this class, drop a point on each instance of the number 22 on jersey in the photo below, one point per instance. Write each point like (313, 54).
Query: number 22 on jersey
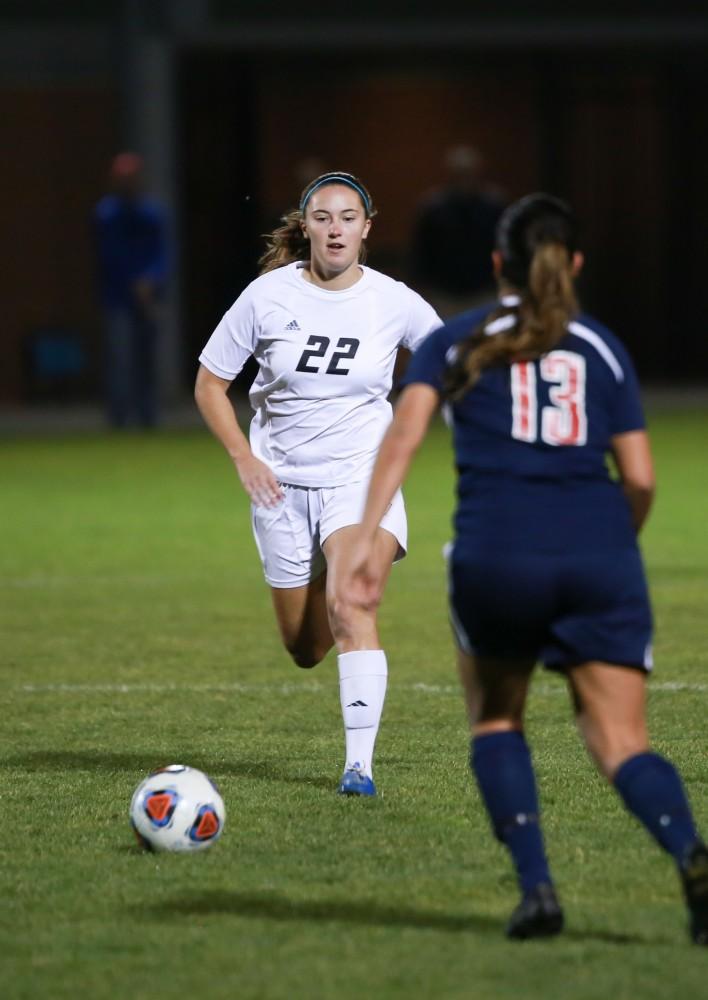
(564, 421)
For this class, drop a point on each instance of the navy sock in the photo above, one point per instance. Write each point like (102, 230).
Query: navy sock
(501, 762)
(651, 789)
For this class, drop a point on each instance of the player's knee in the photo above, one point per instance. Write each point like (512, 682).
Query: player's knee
(305, 660)
(306, 657)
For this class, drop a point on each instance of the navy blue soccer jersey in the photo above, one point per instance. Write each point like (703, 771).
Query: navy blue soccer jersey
(531, 438)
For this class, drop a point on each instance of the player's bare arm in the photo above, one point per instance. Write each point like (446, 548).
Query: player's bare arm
(410, 422)
(632, 455)
(210, 393)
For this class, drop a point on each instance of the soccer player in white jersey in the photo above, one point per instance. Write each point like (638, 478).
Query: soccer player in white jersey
(325, 331)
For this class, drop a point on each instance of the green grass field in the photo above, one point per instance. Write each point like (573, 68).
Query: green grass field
(137, 631)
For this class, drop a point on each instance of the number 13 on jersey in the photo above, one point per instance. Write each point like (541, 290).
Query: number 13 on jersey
(564, 422)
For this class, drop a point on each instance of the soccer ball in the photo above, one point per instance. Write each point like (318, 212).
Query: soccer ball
(177, 808)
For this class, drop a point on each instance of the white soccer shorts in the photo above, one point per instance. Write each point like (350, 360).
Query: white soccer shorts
(290, 537)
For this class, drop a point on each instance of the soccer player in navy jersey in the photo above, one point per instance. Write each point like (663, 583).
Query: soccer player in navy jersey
(545, 563)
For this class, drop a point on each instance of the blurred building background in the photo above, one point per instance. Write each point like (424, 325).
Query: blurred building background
(604, 104)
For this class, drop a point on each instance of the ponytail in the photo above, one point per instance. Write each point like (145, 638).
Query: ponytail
(285, 244)
(551, 300)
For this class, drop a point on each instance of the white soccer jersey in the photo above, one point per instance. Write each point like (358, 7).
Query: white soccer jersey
(325, 368)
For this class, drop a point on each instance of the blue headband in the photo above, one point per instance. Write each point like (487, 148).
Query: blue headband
(337, 179)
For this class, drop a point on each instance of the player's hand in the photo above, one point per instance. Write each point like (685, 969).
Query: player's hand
(362, 576)
(259, 482)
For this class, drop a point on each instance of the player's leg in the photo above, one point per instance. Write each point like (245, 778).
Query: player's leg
(495, 695)
(610, 710)
(301, 614)
(495, 692)
(498, 611)
(609, 705)
(295, 569)
(363, 670)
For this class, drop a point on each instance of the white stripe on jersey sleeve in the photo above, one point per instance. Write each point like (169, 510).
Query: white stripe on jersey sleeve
(600, 346)
(500, 324)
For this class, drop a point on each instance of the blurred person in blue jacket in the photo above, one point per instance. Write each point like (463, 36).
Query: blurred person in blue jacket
(131, 247)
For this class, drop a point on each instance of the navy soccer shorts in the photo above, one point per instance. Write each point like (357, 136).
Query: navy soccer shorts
(561, 609)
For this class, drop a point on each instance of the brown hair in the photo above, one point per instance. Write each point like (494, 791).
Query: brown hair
(288, 243)
(536, 238)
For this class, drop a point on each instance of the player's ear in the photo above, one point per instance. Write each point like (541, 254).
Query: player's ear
(367, 227)
(578, 262)
(497, 263)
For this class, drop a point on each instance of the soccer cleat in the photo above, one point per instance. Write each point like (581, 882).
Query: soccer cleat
(356, 782)
(694, 874)
(537, 915)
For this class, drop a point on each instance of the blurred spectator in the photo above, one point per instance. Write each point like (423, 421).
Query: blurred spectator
(131, 249)
(454, 236)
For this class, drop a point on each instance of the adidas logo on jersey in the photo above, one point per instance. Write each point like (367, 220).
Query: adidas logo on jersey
(358, 704)
(293, 325)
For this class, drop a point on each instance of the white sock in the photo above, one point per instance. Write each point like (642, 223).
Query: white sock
(362, 689)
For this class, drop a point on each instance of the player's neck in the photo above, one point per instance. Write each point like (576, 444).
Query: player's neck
(332, 281)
